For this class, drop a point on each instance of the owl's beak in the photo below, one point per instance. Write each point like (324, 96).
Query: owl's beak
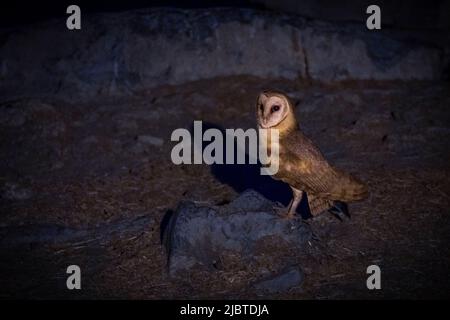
(264, 123)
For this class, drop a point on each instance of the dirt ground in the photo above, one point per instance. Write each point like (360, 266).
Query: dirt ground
(103, 165)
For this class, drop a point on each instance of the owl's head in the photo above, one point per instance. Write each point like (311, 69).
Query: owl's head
(274, 108)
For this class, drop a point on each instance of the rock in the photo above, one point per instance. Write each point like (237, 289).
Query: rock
(143, 144)
(44, 234)
(14, 192)
(150, 140)
(203, 234)
(119, 53)
(289, 278)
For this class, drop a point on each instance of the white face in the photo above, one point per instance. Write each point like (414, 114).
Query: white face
(271, 110)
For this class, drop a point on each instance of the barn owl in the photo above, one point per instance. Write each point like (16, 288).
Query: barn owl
(301, 164)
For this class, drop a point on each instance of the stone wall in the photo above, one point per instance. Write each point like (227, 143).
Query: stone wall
(120, 53)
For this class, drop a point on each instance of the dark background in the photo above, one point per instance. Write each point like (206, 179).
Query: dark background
(86, 118)
(415, 14)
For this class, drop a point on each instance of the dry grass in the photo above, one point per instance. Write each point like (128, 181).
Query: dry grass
(403, 227)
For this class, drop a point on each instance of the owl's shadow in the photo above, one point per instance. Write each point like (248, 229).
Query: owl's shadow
(248, 176)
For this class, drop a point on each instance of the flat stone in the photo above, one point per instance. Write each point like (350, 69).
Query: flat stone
(150, 140)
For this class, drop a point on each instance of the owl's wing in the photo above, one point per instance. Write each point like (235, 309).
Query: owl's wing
(307, 167)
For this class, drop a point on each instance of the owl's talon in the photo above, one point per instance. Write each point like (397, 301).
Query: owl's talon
(287, 216)
(340, 211)
(283, 213)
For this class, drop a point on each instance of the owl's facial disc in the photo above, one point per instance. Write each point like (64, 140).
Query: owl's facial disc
(271, 110)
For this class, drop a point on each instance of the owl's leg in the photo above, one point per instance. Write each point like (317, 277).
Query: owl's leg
(298, 194)
(292, 208)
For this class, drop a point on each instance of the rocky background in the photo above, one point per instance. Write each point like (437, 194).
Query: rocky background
(125, 52)
(86, 176)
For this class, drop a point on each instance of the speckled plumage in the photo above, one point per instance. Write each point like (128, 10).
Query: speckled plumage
(301, 164)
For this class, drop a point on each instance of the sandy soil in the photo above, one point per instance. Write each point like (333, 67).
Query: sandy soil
(90, 165)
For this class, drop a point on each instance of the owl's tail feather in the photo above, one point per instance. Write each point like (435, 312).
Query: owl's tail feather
(318, 205)
(349, 189)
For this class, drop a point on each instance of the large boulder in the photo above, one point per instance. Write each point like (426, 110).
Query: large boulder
(204, 235)
(119, 53)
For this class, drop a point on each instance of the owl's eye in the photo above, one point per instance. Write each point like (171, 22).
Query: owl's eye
(275, 109)
(261, 107)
